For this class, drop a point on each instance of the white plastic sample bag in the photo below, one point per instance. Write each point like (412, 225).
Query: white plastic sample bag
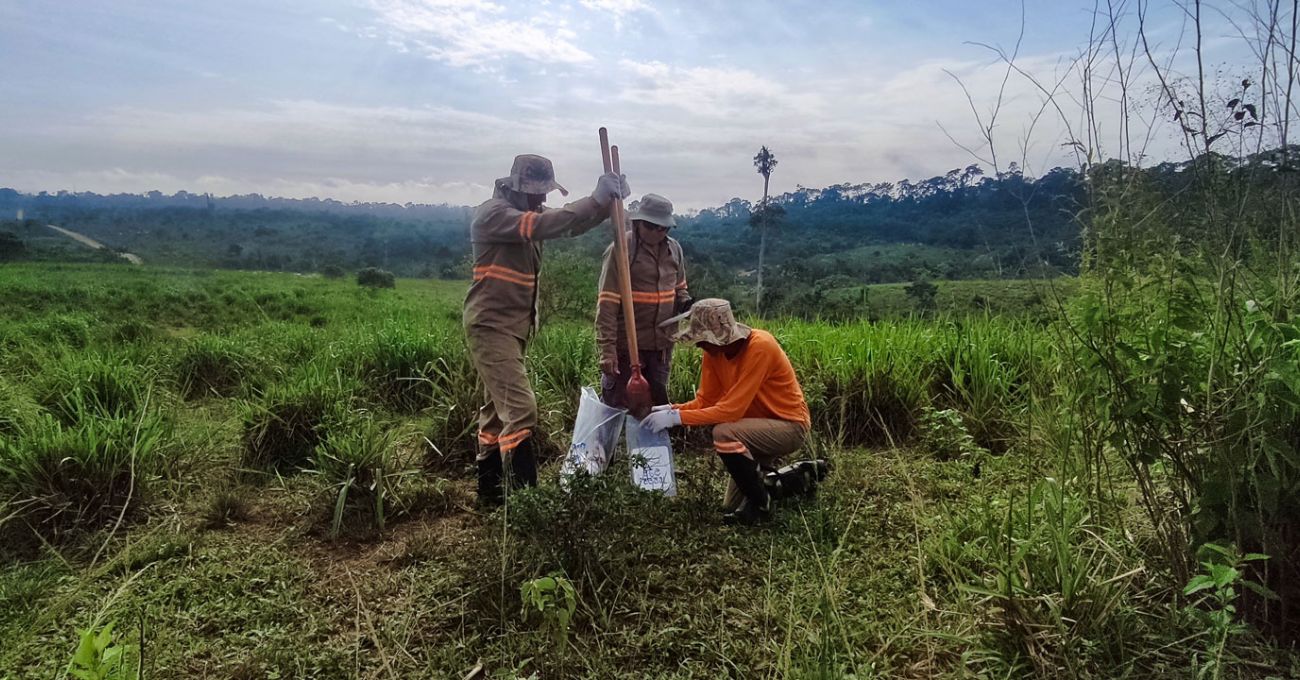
(595, 434)
(651, 458)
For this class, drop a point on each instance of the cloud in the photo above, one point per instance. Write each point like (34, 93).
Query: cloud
(479, 32)
(285, 147)
(708, 90)
(615, 7)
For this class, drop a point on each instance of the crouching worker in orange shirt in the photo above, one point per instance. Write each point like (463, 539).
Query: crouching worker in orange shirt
(750, 395)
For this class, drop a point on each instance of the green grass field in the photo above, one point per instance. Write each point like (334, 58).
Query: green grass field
(263, 475)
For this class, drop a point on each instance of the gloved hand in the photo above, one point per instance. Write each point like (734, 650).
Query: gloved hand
(609, 365)
(661, 407)
(658, 421)
(610, 186)
(684, 305)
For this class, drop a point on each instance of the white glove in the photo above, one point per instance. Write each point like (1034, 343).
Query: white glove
(661, 407)
(658, 421)
(610, 186)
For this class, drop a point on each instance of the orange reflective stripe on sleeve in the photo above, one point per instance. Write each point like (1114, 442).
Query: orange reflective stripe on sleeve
(654, 297)
(528, 225)
(487, 438)
(612, 298)
(682, 285)
(492, 271)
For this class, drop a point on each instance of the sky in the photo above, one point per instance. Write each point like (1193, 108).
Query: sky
(428, 101)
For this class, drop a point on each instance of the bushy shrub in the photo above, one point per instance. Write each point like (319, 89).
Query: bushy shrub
(604, 519)
(372, 277)
(943, 434)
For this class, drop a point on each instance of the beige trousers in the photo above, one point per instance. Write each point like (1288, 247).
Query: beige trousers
(509, 413)
(765, 440)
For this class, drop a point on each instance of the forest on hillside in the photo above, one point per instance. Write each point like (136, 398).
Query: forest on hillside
(827, 246)
(958, 225)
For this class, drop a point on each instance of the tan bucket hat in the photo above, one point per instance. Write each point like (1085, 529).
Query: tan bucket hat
(709, 320)
(654, 209)
(531, 174)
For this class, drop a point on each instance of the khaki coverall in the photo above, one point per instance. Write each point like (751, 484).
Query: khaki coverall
(501, 308)
(658, 275)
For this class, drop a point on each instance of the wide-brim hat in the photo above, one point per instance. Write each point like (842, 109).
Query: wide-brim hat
(654, 209)
(708, 320)
(532, 174)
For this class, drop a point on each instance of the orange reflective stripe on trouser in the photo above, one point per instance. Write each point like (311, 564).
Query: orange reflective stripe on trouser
(500, 273)
(510, 441)
(730, 447)
(509, 407)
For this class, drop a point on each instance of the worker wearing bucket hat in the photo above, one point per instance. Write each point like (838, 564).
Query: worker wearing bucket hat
(501, 307)
(750, 395)
(657, 270)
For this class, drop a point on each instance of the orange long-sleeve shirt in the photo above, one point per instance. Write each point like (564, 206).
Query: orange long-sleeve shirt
(758, 383)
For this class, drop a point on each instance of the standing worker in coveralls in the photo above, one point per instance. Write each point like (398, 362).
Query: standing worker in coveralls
(658, 274)
(501, 308)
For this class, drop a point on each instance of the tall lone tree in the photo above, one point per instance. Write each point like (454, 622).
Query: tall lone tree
(764, 163)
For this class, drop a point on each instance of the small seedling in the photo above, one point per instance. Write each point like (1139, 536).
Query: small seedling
(553, 599)
(100, 656)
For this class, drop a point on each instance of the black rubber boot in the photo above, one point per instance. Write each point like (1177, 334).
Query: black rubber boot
(523, 465)
(796, 479)
(757, 505)
(489, 480)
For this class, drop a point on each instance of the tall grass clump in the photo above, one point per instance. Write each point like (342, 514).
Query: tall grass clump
(398, 363)
(74, 330)
(99, 384)
(213, 365)
(1050, 589)
(597, 532)
(992, 372)
(358, 460)
(17, 408)
(868, 383)
(283, 345)
(562, 359)
(367, 470)
(283, 425)
(61, 476)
